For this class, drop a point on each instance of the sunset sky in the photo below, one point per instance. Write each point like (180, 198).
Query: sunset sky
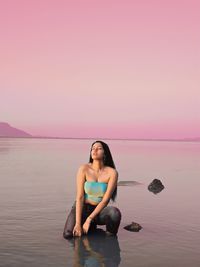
(101, 68)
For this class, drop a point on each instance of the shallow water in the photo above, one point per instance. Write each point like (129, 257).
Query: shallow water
(37, 190)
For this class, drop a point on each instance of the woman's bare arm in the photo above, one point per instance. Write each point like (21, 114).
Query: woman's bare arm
(80, 179)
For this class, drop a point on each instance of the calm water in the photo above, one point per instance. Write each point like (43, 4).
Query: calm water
(38, 188)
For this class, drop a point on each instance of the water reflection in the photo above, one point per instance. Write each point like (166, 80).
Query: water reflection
(96, 249)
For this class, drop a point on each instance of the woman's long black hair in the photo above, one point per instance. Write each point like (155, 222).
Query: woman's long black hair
(107, 160)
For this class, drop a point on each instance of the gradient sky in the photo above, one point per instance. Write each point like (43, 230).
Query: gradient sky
(121, 69)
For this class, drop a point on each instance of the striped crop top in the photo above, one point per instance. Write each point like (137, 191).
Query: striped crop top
(94, 191)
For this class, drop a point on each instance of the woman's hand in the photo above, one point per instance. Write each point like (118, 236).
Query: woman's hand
(86, 225)
(77, 231)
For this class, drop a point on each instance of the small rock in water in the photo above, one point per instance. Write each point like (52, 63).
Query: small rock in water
(156, 186)
(133, 227)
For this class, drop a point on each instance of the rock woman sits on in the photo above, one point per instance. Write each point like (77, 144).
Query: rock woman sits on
(96, 185)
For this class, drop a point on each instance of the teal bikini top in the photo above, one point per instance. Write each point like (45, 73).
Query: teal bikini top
(94, 191)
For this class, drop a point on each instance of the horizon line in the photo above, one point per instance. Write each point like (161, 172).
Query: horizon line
(186, 139)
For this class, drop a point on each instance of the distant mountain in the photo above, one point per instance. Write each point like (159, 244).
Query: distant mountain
(8, 131)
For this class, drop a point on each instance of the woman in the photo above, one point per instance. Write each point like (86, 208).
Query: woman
(96, 185)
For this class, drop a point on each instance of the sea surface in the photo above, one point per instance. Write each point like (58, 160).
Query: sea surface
(38, 188)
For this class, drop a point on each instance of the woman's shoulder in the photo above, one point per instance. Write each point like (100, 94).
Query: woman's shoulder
(112, 171)
(84, 166)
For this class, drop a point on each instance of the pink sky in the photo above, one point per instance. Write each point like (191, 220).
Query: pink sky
(121, 69)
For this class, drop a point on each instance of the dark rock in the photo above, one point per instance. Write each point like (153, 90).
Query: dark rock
(133, 227)
(156, 186)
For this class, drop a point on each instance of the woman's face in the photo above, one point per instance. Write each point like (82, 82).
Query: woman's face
(97, 151)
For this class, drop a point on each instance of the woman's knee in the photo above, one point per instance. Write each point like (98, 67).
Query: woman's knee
(115, 214)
